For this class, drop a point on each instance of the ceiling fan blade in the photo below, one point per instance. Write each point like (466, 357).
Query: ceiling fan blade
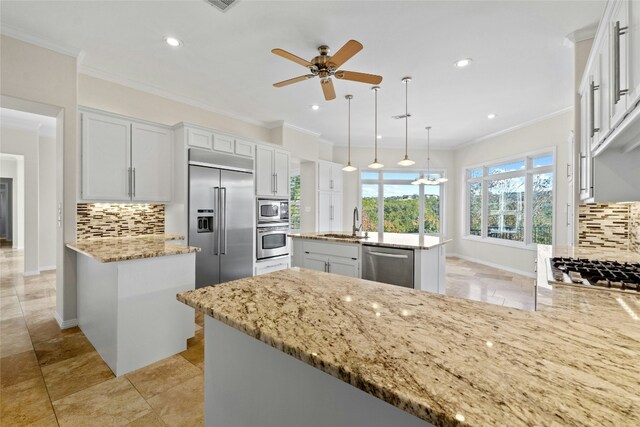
(327, 89)
(293, 80)
(372, 79)
(349, 49)
(292, 57)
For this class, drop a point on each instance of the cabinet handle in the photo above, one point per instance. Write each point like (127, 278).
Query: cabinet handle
(331, 184)
(568, 170)
(583, 164)
(134, 182)
(326, 266)
(276, 174)
(129, 181)
(592, 119)
(617, 32)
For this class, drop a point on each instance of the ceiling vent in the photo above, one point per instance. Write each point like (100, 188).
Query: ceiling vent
(223, 5)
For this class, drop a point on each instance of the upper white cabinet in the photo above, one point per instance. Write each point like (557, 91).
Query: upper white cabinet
(619, 33)
(329, 211)
(329, 176)
(124, 160)
(199, 138)
(224, 143)
(633, 43)
(272, 172)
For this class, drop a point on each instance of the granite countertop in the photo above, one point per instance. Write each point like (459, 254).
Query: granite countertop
(113, 249)
(392, 240)
(446, 360)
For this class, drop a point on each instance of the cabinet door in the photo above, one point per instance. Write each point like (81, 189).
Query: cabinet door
(344, 266)
(315, 262)
(619, 65)
(223, 143)
(585, 150)
(324, 176)
(336, 214)
(151, 161)
(603, 94)
(199, 139)
(325, 210)
(336, 177)
(106, 149)
(633, 38)
(270, 267)
(265, 177)
(281, 170)
(244, 148)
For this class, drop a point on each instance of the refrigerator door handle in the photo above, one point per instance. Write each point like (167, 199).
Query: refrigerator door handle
(223, 220)
(216, 229)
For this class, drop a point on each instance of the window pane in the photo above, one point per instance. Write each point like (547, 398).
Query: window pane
(543, 161)
(507, 167)
(475, 208)
(406, 176)
(401, 209)
(294, 206)
(432, 209)
(475, 173)
(542, 208)
(506, 208)
(370, 207)
(369, 175)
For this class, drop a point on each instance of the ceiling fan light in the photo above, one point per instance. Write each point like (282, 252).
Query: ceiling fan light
(349, 168)
(376, 165)
(406, 162)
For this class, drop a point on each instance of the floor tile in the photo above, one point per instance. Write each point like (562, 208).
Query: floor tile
(163, 375)
(24, 403)
(18, 368)
(111, 403)
(47, 329)
(14, 337)
(149, 420)
(195, 349)
(75, 374)
(62, 348)
(182, 405)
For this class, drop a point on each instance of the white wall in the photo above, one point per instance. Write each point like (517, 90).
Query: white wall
(552, 132)
(47, 204)
(13, 167)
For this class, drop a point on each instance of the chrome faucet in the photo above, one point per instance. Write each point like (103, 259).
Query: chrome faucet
(356, 218)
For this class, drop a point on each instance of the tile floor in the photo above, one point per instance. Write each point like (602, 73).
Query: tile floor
(50, 377)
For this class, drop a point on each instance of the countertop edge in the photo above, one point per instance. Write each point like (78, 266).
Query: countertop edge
(369, 242)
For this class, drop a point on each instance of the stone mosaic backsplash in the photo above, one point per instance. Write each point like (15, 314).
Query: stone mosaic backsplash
(118, 220)
(614, 225)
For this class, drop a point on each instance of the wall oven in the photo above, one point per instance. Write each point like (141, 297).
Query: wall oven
(273, 211)
(272, 241)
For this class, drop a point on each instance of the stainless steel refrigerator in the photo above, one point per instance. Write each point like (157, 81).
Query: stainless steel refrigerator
(220, 217)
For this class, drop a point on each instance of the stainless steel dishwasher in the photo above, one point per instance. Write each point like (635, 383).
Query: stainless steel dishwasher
(388, 265)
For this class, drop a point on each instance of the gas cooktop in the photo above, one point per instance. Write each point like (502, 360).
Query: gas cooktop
(596, 273)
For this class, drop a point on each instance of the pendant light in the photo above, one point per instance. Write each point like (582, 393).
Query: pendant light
(349, 167)
(376, 164)
(427, 179)
(406, 161)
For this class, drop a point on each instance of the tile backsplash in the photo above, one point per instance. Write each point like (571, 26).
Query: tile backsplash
(118, 220)
(613, 225)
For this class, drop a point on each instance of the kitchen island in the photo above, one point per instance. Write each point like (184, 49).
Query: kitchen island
(126, 297)
(300, 347)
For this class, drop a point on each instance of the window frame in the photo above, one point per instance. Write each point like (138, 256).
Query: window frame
(528, 173)
(381, 182)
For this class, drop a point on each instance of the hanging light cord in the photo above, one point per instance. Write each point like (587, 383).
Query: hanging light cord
(375, 133)
(406, 119)
(349, 137)
(428, 151)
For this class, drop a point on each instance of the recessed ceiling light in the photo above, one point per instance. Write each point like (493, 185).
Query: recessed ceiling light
(462, 62)
(172, 41)
(491, 116)
(315, 107)
(379, 136)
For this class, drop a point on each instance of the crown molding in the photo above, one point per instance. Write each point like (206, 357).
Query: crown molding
(294, 127)
(154, 90)
(326, 141)
(512, 128)
(8, 30)
(582, 34)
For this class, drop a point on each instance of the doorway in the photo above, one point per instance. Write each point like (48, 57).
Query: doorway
(6, 210)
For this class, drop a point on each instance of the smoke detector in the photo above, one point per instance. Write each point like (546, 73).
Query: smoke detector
(223, 5)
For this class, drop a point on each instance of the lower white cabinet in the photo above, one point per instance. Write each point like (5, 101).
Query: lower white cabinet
(337, 258)
(271, 265)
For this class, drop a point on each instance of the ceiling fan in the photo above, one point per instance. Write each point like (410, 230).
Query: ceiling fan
(325, 66)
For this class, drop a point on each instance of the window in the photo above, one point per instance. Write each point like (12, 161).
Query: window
(511, 200)
(294, 204)
(390, 203)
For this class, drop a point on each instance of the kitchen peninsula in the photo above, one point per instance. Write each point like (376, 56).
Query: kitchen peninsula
(126, 297)
(345, 351)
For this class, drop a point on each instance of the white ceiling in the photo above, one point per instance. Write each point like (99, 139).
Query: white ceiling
(521, 68)
(46, 126)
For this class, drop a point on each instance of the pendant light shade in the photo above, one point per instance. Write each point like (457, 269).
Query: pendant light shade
(406, 161)
(376, 164)
(349, 167)
(427, 179)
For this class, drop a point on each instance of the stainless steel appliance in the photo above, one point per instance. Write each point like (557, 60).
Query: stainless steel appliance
(273, 211)
(221, 216)
(612, 275)
(388, 265)
(272, 241)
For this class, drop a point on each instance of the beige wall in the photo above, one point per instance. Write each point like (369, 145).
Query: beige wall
(47, 203)
(552, 132)
(33, 74)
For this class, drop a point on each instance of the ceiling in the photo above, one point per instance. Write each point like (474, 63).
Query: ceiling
(45, 125)
(521, 70)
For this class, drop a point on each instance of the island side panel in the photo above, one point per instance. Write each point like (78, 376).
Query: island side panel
(248, 383)
(152, 324)
(430, 269)
(98, 305)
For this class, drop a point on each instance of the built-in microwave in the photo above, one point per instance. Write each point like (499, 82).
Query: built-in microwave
(272, 241)
(273, 211)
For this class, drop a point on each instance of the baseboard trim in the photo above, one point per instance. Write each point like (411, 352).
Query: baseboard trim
(48, 268)
(31, 273)
(65, 324)
(494, 265)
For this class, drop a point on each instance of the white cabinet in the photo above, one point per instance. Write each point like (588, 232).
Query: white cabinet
(633, 37)
(199, 138)
(329, 211)
(586, 185)
(619, 60)
(272, 172)
(329, 176)
(271, 265)
(223, 143)
(332, 264)
(244, 148)
(330, 257)
(124, 160)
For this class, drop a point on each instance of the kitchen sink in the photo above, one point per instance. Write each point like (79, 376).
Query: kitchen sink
(343, 236)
